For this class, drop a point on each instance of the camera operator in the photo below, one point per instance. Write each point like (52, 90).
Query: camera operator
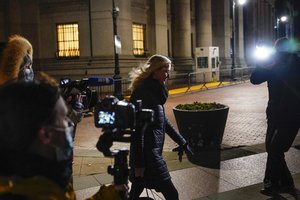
(16, 61)
(149, 170)
(75, 108)
(283, 114)
(36, 144)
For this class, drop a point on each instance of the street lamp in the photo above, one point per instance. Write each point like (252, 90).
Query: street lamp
(117, 49)
(285, 22)
(281, 22)
(285, 13)
(241, 2)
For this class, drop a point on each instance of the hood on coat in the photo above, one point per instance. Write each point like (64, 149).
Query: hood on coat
(12, 58)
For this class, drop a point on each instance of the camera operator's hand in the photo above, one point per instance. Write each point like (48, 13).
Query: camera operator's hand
(112, 192)
(139, 172)
(75, 108)
(123, 190)
(78, 106)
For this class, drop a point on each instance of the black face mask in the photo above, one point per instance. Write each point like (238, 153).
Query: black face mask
(26, 73)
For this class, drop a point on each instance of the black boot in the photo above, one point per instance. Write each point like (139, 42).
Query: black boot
(270, 189)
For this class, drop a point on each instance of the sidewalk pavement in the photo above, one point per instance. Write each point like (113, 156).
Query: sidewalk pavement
(234, 173)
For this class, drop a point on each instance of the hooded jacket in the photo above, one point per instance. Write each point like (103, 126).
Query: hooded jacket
(41, 188)
(16, 49)
(35, 177)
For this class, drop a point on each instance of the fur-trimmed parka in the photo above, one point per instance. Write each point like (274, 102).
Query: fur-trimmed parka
(12, 57)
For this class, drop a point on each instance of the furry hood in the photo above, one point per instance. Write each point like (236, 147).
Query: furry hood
(12, 58)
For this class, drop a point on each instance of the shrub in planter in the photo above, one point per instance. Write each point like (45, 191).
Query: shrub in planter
(202, 124)
(200, 106)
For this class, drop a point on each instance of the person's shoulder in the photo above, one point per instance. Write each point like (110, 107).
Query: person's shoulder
(106, 193)
(39, 187)
(296, 57)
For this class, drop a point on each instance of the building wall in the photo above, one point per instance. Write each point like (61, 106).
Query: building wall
(259, 17)
(173, 28)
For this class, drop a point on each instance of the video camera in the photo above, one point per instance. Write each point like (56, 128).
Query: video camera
(70, 89)
(119, 120)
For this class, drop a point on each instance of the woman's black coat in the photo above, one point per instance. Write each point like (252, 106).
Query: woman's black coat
(146, 149)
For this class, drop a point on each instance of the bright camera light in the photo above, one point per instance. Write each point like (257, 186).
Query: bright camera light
(263, 52)
(283, 18)
(242, 2)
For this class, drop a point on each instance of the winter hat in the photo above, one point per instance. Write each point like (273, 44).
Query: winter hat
(17, 51)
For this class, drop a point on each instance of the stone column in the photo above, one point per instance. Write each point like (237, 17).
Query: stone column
(30, 25)
(20, 17)
(240, 35)
(102, 28)
(124, 22)
(13, 14)
(102, 31)
(161, 27)
(221, 29)
(251, 15)
(203, 23)
(182, 35)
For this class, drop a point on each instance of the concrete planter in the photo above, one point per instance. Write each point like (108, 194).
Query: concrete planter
(203, 129)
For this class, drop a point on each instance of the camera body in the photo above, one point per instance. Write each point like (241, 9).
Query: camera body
(70, 89)
(119, 120)
(112, 113)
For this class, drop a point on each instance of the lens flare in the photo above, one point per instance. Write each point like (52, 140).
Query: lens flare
(263, 52)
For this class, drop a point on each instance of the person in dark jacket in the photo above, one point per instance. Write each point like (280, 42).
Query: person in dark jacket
(149, 170)
(16, 60)
(36, 145)
(283, 114)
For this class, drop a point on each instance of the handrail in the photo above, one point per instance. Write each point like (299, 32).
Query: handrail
(188, 80)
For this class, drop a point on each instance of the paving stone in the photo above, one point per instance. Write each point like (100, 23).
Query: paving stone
(237, 170)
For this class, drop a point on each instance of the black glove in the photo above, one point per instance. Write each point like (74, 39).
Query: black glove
(187, 149)
(182, 148)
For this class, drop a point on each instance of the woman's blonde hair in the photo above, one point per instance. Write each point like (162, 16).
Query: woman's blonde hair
(155, 62)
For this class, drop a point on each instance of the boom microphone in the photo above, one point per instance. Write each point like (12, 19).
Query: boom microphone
(99, 81)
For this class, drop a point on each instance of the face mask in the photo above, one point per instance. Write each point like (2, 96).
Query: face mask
(26, 72)
(26, 75)
(62, 142)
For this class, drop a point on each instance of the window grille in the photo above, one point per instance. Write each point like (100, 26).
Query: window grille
(138, 36)
(67, 40)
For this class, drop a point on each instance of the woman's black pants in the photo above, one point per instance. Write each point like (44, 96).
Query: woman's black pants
(167, 188)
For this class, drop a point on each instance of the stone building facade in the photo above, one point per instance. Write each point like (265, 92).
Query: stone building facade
(145, 27)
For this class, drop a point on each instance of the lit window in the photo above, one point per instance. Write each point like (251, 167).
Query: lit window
(138, 36)
(67, 40)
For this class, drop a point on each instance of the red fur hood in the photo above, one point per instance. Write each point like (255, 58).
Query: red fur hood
(12, 58)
